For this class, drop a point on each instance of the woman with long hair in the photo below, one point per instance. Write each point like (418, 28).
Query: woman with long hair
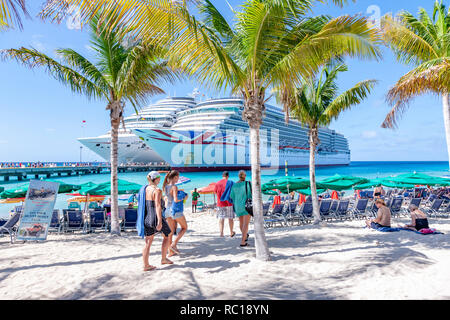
(240, 192)
(174, 209)
(150, 219)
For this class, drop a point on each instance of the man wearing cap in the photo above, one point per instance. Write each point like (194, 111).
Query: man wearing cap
(224, 206)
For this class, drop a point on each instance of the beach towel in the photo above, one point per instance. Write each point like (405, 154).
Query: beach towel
(141, 212)
(226, 194)
(178, 206)
(387, 229)
(424, 231)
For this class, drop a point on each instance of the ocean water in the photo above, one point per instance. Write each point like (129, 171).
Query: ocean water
(201, 179)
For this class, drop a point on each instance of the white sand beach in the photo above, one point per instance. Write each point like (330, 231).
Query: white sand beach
(341, 260)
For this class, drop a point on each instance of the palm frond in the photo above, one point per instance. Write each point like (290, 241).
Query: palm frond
(431, 77)
(10, 13)
(31, 58)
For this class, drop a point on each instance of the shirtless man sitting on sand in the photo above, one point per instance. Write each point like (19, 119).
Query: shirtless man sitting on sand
(383, 218)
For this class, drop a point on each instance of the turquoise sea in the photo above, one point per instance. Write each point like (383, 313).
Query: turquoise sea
(202, 179)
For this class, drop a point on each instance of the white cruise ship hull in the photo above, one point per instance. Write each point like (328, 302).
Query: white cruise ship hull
(218, 150)
(130, 148)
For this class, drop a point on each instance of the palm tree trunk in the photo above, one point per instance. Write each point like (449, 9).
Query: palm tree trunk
(115, 123)
(446, 111)
(312, 173)
(262, 249)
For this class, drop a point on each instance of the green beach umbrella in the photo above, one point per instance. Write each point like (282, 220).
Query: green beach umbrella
(2, 189)
(307, 192)
(18, 192)
(124, 187)
(270, 192)
(419, 179)
(21, 191)
(287, 183)
(340, 183)
(369, 185)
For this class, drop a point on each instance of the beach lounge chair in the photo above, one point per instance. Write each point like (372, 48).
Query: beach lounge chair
(372, 210)
(11, 226)
(359, 209)
(129, 221)
(94, 205)
(306, 212)
(97, 220)
(341, 212)
(396, 207)
(434, 208)
(266, 207)
(56, 224)
(334, 206)
(73, 220)
(416, 202)
(324, 209)
(370, 194)
(275, 216)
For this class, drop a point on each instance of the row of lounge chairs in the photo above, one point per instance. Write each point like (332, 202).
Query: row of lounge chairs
(74, 220)
(289, 213)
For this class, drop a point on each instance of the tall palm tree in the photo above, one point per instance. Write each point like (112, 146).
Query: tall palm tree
(269, 42)
(10, 13)
(315, 103)
(424, 43)
(125, 70)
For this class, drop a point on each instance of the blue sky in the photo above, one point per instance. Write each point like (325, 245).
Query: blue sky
(41, 119)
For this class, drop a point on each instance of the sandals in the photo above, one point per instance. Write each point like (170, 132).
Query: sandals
(233, 234)
(248, 236)
(244, 245)
(174, 250)
(167, 262)
(149, 268)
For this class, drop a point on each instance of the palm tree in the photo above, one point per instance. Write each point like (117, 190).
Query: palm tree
(9, 13)
(315, 103)
(424, 43)
(270, 41)
(125, 70)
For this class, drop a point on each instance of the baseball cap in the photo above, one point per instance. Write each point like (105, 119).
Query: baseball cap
(153, 175)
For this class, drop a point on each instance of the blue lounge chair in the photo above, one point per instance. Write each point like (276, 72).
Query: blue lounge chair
(334, 206)
(129, 221)
(97, 220)
(275, 215)
(416, 202)
(11, 226)
(73, 220)
(434, 208)
(341, 212)
(359, 209)
(324, 209)
(396, 207)
(266, 207)
(306, 211)
(56, 224)
(370, 194)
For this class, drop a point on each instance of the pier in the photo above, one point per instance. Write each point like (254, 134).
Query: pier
(48, 172)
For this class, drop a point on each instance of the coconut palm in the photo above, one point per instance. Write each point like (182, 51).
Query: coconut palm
(315, 103)
(10, 13)
(269, 42)
(125, 70)
(424, 43)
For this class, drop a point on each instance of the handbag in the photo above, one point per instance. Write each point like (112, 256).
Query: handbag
(248, 202)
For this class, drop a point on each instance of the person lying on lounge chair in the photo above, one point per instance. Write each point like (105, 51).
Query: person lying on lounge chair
(383, 218)
(419, 219)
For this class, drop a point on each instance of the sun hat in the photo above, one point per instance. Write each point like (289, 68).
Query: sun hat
(153, 175)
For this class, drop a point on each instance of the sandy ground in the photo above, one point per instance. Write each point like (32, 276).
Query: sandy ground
(341, 260)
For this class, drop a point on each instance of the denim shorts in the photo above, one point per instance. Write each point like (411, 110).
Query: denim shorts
(174, 215)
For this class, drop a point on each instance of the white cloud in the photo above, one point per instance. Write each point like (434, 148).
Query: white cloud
(37, 44)
(369, 134)
(74, 20)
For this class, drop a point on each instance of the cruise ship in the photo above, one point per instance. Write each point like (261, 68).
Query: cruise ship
(212, 136)
(160, 115)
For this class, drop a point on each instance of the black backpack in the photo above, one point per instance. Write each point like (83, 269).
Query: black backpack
(248, 202)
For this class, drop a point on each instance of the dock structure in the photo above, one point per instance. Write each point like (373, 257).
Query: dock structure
(48, 172)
